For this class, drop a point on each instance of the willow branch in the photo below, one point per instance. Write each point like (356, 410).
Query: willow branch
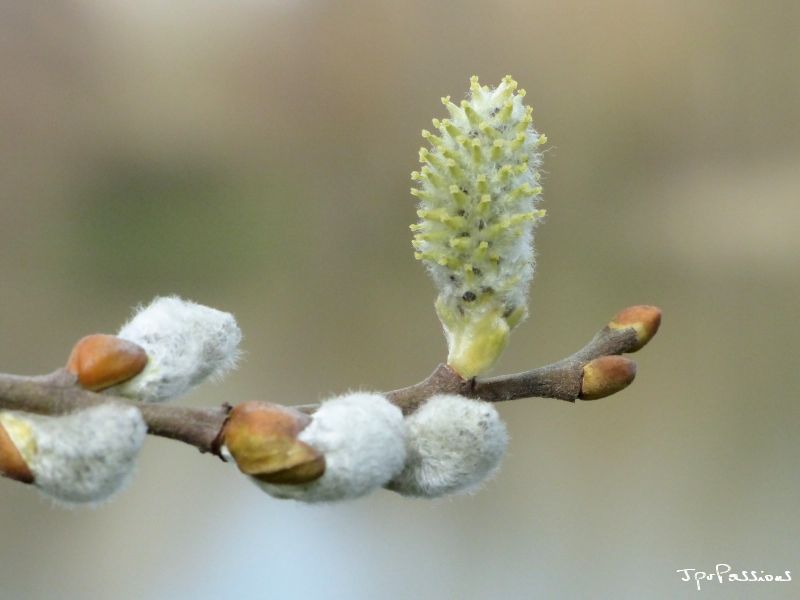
(594, 371)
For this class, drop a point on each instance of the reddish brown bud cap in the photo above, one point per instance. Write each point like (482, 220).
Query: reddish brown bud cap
(101, 361)
(605, 376)
(643, 319)
(262, 438)
(12, 465)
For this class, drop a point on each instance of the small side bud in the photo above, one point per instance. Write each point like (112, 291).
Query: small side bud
(643, 319)
(605, 376)
(12, 464)
(101, 361)
(262, 439)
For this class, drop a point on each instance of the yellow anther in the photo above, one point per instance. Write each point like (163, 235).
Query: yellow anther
(472, 116)
(497, 150)
(459, 243)
(477, 156)
(488, 130)
(504, 174)
(453, 168)
(516, 144)
(458, 195)
(451, 129)
(505, 112)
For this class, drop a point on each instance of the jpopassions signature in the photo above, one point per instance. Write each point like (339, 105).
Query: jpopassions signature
(724, 573)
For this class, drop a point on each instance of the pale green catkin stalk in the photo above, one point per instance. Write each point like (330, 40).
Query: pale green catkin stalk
(477, 192)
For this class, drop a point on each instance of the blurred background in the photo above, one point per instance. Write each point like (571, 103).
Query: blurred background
(255, 156)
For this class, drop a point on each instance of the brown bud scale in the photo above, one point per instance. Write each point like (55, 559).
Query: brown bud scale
(101, 361)
(302, 473)
(262, 438)
(12, 465)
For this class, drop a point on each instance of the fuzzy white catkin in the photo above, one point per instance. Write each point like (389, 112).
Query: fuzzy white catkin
(362, 436)
(84, 457)
(186, 343)
(454, 445)
(477, 190)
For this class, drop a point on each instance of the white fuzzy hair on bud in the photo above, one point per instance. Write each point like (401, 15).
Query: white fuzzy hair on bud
(454, 445)
(81, 458)
(362, 436)
(186, 343)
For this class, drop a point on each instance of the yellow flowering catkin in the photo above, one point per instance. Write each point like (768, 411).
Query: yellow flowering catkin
(477, 191)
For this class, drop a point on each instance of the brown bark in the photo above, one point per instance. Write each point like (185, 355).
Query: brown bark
(59, 393)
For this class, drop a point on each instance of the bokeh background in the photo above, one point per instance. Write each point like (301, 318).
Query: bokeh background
(254, 156)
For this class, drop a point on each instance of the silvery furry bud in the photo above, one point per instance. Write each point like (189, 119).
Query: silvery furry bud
(83, 457)
(186, 344)
(363, 439)
(454, 445)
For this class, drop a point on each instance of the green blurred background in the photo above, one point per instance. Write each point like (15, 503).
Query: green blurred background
(254, 156)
